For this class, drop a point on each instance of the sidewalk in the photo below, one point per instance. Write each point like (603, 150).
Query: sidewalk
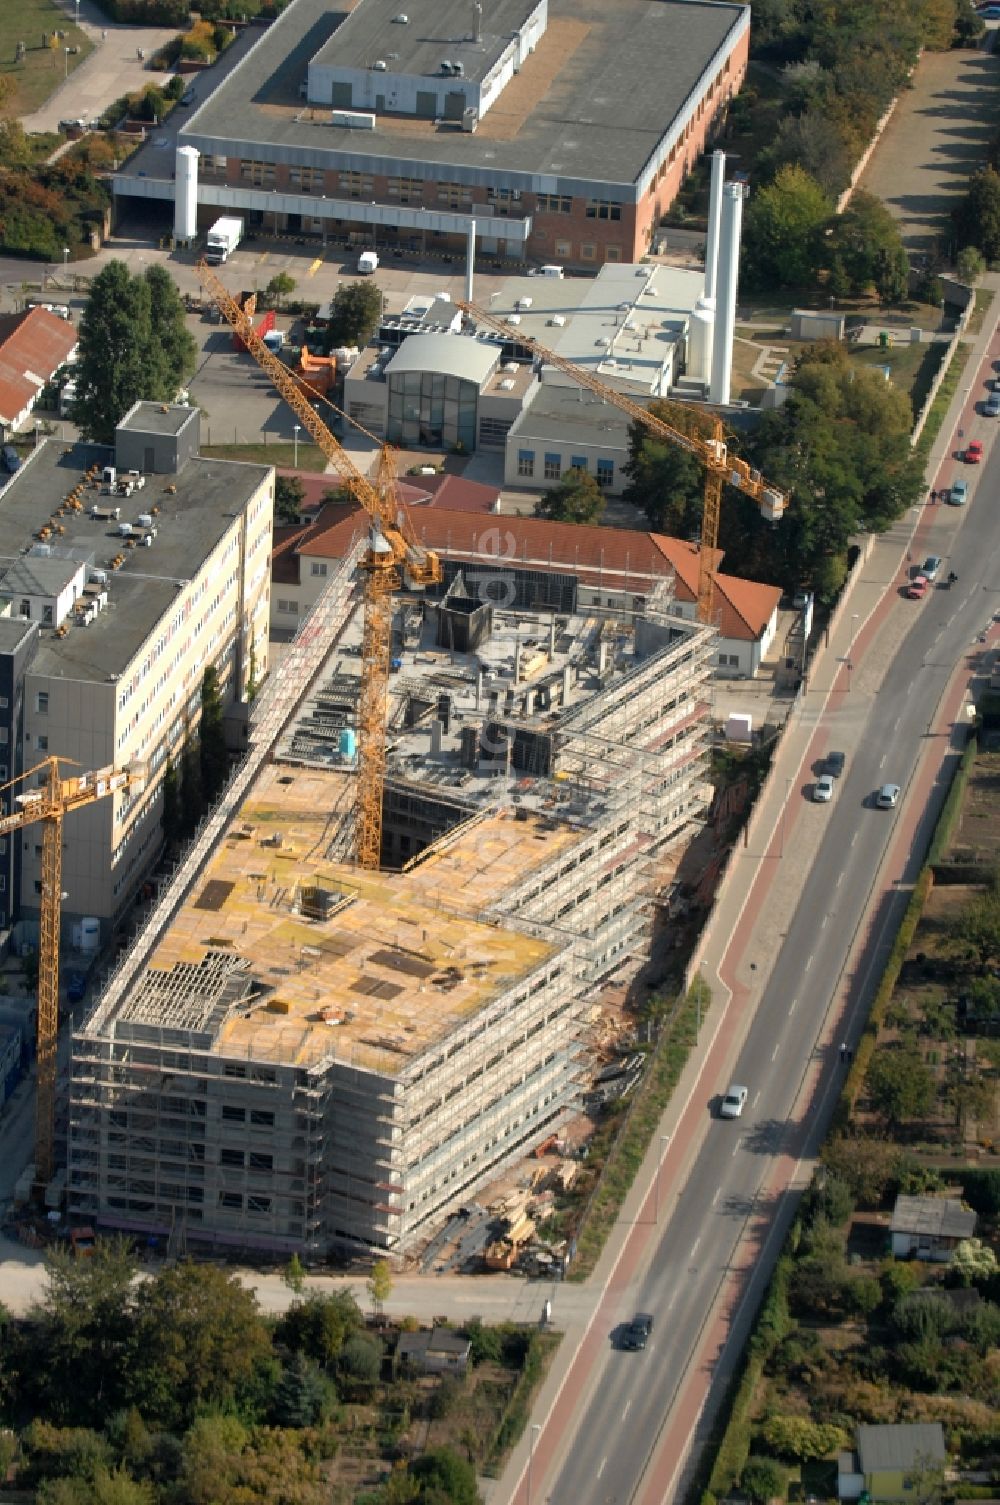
(734, 971)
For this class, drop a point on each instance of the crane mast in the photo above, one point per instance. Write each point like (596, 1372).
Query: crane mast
(393, 555)
(49, 803)
(710, 448)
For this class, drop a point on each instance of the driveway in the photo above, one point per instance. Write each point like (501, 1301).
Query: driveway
(938, 135)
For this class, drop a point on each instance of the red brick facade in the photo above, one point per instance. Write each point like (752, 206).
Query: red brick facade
(565, 229)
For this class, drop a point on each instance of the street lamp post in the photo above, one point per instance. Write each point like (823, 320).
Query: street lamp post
(664, 1141)
(295, 462)
(65, 257)
(66, 51)
(535, 1429)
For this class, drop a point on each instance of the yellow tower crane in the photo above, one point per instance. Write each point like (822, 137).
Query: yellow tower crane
(393, 554)
(49, 803)
(709, 447)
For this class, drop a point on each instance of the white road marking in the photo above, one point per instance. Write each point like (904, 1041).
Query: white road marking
(602, 1467)
(736, 1147)
(625, 1412)
(774, 1053)
(718, 1189)
(694, 1246)
(809, 961)
(793, 1005)
(823, 925)
(882, 763)
(854, 838)
(840, 879)
(756, 1100)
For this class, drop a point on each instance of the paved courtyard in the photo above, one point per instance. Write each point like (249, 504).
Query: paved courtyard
(937, 136)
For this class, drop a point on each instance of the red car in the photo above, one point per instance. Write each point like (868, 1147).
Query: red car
(917, 588)
(973, 453)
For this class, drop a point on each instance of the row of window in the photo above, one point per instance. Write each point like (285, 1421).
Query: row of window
(552, 466)
(410, 190)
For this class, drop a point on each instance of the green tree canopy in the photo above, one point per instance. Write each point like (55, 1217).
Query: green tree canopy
(783, 235)
(868, 250)
(212, 736)
(302, 1395)
(357, 308)
(576, 498)
(445, 1477)
(289, 494)
(200, 1339)
(977, 218)
(900, 1085)
(280, 287)
(82, 1345)
(763, 1479)
(133, 345)
(319, 1325)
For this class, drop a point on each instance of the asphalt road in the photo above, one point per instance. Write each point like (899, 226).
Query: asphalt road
(618, 1426)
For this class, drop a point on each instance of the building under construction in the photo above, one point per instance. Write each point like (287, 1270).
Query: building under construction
(300, 1055)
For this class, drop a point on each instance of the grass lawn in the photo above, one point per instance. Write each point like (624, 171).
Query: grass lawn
(906, 364)
(42, 69)
(278, 453)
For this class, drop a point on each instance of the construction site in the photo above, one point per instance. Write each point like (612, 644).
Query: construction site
(302, 1053)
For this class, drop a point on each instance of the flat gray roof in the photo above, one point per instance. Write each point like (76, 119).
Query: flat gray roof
(13, 631)
(566, 415)
(34, 576)
(190, 523)
(894, 1445)
(590, 104)
(435, 29)
(451, 354)
(157, 418)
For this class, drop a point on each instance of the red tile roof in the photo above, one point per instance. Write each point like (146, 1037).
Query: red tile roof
(33, 345)
(453, 492)
(617, 557)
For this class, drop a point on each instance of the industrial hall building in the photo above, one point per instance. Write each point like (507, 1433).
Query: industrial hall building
(297, 1054)
(563, 128)
(125, 571)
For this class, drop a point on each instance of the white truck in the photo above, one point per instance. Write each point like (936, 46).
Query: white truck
(222, 240)
(367, 263)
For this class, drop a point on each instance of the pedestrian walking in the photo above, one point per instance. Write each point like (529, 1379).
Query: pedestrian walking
(843, 1053)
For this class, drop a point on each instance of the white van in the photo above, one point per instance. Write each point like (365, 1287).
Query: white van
(367, 262)
(551, 271)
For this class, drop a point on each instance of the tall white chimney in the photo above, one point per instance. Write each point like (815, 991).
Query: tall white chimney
(185, 195)
(714, 212)
(470, 259)
(729, 272)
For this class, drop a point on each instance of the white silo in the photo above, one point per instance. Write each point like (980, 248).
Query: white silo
(185, 195)
(701, 333)
(725, 305)
(714, 215)
(470, 260)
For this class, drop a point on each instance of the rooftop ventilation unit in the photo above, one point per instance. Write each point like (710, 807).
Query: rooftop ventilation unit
(458, 69)
(402, 19)
(513, 319)
(507, 385)
(379, 65)
(523, 302)
(446, 67)
(557, 321)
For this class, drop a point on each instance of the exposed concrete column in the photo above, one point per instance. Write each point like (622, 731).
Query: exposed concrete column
(729, 272)
(552, 637)
(517, 662)
(566, 684)
(714, 212)
(437, 735)
(186, 195)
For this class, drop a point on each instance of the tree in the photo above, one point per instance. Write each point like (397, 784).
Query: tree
(192, 792)
(133, 345)
(356, 311)
(320, 1325)
(977, 218)
(970, 264)
(172, 345)
(763, 1479)
(113, 366)
(867, 1166)
(82, 1343)
(289, 494)
(868, 250)
(576, 498)
(213, 754)
(280, 287)
(379, 1285)
(782, 241)
(361, 1359)
(969, 25)
(664, 482)
(295, 1275)
(302, 1395)
(445, 1477)
(900, 1085)
(801, 1439)
(200, 1339)
(924, 1482)
(171, 817)
(15, 148)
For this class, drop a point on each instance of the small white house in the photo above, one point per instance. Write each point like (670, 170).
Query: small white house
(929, 1227)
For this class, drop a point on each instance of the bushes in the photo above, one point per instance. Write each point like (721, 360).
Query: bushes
(798, 1438)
